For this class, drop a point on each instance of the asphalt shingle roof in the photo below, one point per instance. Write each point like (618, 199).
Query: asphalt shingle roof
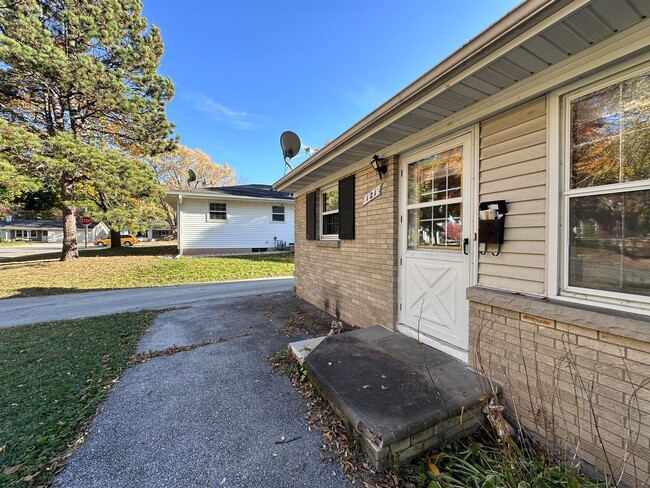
(253, 191)
(39, 224)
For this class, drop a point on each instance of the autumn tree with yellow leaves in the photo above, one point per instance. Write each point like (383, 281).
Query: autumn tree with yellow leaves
(172, 172)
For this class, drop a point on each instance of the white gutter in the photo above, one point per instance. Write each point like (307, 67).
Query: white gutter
(179, 213)
(478, 47)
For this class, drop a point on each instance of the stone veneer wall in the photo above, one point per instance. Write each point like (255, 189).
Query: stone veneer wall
(355, 280)
(575, 376)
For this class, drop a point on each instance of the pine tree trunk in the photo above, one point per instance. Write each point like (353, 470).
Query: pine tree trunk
(116, 240)
(69, 250)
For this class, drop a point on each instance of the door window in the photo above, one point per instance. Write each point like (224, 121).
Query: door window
(435, 201)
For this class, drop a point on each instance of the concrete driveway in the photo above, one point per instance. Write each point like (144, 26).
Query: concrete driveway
(214, 415)
(20, 311)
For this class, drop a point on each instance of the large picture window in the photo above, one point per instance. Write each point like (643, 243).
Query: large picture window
(607, 188)
(330, 212)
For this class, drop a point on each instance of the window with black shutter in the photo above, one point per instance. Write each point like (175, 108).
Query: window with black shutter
(346, 208)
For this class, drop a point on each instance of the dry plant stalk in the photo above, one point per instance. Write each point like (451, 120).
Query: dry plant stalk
(554, 406)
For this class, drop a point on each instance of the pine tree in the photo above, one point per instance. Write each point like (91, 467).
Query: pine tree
(80, 76)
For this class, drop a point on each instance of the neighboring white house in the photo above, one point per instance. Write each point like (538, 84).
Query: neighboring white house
(46, 230)
(239, 218)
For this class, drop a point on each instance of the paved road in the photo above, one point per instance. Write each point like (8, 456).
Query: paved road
(209, 417)
(21, 311)
(35, 248)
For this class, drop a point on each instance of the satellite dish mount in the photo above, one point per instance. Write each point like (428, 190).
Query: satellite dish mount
(290, 144)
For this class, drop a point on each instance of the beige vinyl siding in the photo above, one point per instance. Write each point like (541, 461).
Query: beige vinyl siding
(249, 224)
(513, 168)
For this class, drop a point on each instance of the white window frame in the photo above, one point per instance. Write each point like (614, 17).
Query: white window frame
(283, 214)
(558, 143)
(322, 213)
(210, 212)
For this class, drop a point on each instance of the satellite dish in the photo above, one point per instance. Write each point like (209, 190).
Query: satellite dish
(290, 144)
(191, 175)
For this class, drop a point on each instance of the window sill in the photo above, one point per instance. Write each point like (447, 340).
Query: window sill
(634, 326)
(328, 243)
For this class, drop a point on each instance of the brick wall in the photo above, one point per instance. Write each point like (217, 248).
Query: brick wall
(355, 280)
(577, 377)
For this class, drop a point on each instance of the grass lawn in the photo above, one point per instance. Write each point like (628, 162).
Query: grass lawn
(52, 378)
(133, 267)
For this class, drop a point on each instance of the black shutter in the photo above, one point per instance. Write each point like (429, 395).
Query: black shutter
(310, 216)
(346, 208)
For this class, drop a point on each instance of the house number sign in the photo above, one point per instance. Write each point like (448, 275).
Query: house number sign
(371, 195)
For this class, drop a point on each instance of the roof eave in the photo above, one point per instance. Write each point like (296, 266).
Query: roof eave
(173, 196)
(502, 31)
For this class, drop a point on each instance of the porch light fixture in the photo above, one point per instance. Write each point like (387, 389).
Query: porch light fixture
(379, 165)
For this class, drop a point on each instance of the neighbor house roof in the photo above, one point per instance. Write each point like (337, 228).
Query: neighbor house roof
(38, 224)
(247, 192)
(513, 53)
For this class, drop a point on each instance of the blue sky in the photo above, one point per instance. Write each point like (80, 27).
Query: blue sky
(246, 71)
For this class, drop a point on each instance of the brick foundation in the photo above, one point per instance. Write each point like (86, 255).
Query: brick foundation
(569, 375)
(406, 450)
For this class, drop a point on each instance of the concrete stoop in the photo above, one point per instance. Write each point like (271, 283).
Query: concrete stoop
(403, 398)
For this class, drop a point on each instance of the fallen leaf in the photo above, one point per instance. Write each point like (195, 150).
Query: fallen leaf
(30, 477)
(434, 469)
(13, 469)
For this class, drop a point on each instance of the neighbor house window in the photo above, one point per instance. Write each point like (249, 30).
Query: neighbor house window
(277, 213)
(607, 189)
(218, 211)
(26, 234)
(330, 212)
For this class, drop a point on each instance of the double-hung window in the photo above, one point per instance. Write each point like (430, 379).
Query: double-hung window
(607, 190)
(217, 211)
(330, 212)
(277, 213)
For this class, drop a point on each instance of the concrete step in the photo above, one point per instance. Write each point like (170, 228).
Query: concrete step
(402, 397)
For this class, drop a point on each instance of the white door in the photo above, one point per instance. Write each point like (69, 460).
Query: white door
(435, 264)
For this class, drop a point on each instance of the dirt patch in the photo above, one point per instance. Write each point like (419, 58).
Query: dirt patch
(301, 319)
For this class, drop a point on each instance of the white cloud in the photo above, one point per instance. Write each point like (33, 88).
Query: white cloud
(221, 113)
